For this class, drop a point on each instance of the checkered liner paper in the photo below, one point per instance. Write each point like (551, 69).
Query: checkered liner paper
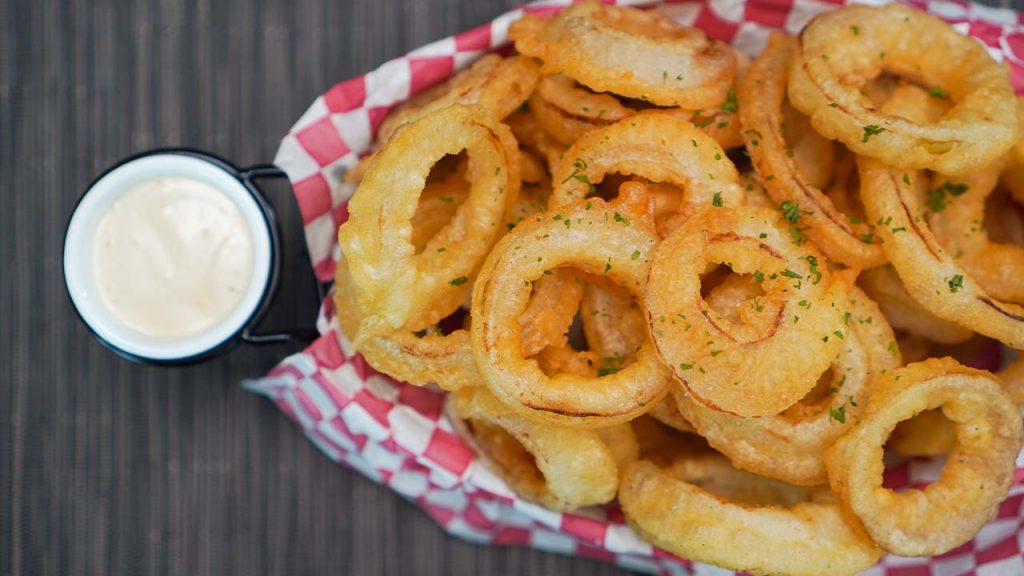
(395, 433)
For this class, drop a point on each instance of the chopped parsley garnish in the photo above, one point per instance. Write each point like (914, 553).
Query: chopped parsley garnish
(635, 255)
(458, 281)
(937, 92)
(790, 274)
(621, 218)
(758, 276)
(731, 104)
(791, 211)
(578, 165)
(812, 261)
(956, 283)
(855, 29)
(717, 199)
(936, 200)
(610, 365)
(838, 414)
(871, 130)
(685, 366)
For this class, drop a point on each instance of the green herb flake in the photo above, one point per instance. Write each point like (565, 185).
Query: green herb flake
(791, 211)
(458, 281)
(956, 283)
(731, 103)
(937, 197)
(838, 414)
(871, 130)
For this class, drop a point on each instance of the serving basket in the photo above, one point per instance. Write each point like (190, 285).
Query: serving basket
(395, 433)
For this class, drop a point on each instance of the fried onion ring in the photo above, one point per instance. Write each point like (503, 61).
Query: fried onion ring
(609, 240)
(976, 476)
(445, 359)
(558, 468)
(749, 369)
(957, 219)
(840, 51)
(567, 111)
(394, 284)
(808, 209)
(704, 510)
(497, 84)
(637, 54)
(931, 276)
(657, 146)
(789, 446)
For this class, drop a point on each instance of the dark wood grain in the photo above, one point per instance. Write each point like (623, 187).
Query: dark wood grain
(109, 467)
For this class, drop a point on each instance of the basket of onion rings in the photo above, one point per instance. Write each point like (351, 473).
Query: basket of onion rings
(717, 284)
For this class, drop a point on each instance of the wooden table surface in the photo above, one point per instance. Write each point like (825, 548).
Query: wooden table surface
(110, 467)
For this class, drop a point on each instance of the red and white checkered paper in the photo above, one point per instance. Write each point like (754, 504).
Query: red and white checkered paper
(395, 433)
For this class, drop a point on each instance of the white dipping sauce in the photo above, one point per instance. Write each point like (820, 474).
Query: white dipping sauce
(172, 257)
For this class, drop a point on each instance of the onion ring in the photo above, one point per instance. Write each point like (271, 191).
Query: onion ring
(558, 468)
(670, 508)
(657, 146)
(957, 218)
(807, 208)
(394, 284)
(445, 359)
(789, 446)
(827, 74)
(931, 276)
(610, 240)
(622, 50)
(500, 85)
(746, 370)
(976, 476)
(567, 111)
